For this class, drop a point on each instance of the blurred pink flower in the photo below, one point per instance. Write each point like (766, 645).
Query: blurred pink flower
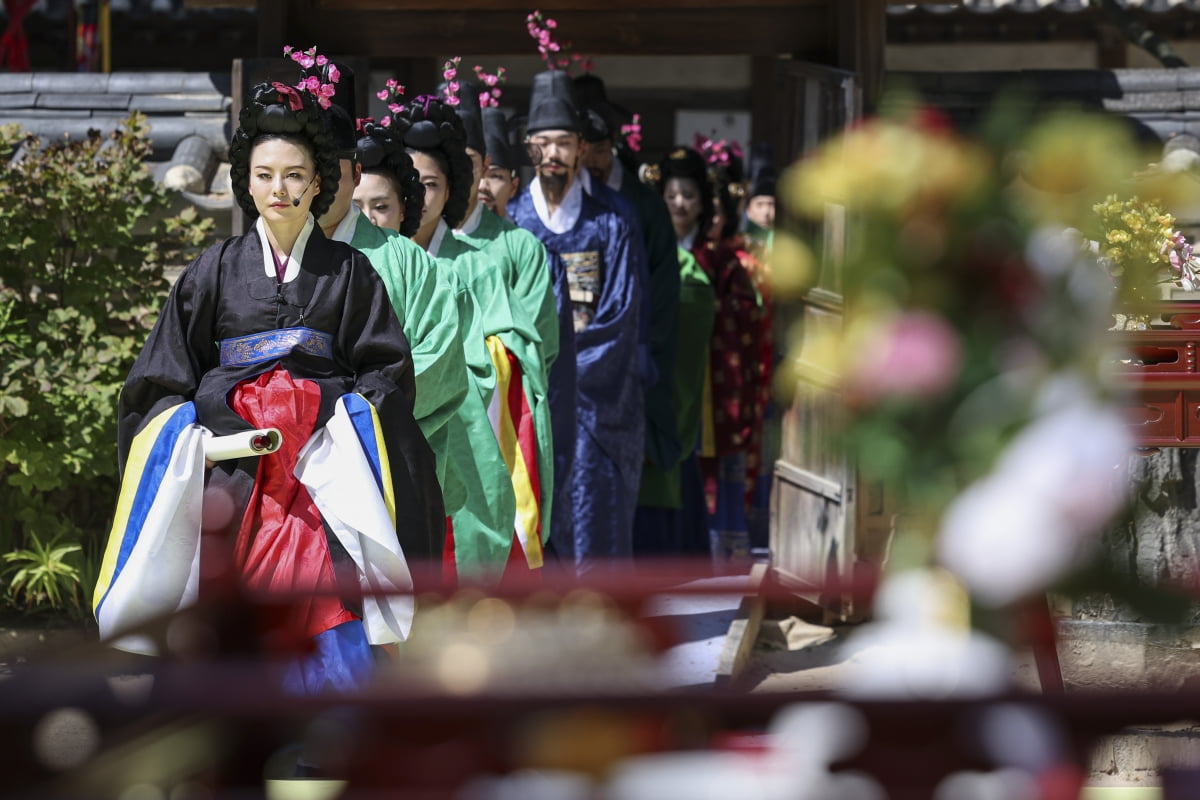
(914, 354)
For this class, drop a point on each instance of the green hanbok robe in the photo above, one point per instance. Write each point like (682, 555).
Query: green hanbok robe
(661, 487)
(515, 299)
(423, 297)
(483, 526)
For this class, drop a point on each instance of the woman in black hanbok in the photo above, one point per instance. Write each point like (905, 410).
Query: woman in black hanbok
(277, 328)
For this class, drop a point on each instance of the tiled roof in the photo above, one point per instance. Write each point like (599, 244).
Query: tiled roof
(178, 104)
(1069, 6)
(191, 107)
(1158, 103)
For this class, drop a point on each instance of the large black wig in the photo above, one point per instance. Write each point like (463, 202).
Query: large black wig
(279, 110)
(427, 125)
(380, 151)
(731, 190)
(684, 162)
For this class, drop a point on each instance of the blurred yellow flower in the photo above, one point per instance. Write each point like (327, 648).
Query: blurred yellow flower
(890, 166)
(1069, 161)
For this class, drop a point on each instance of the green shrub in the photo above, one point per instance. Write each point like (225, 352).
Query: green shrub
(84, 239)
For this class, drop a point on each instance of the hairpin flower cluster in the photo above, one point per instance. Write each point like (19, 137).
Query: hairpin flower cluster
(307, 59)
(391, 93)
(717, 152)
(557, 55)
(632, 133)
(450, 75)
(491, 82)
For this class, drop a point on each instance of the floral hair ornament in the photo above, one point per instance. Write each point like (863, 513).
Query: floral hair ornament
(391, 93)
(557, 55)
(717, 152)
(312, 84)
(491, 82)
(632, 133)
(450, 75)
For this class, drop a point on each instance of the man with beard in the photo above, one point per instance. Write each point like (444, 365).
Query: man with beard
(599, 288)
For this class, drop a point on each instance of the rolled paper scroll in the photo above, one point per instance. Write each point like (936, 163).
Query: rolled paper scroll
(240, 445)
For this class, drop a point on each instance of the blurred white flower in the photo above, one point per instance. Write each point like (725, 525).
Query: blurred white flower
(1059, 482)
(922, 646)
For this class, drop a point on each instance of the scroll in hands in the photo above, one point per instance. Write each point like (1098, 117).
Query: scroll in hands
(258, 442)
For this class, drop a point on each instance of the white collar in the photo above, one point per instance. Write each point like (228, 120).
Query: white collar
(439, 233)
(567, 213)
(344, 232)
(615, 175)
(294, 258)
(471, 223)
(585, 178)
(689, 238)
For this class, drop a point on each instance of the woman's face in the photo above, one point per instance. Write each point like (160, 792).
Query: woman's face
(281, 172)
(437, 189)
(682, 196)
(376, 196)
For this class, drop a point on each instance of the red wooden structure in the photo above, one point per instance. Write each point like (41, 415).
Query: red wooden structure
(1157, 366)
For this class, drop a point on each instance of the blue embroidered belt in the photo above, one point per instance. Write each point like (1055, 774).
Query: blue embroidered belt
(255, 348)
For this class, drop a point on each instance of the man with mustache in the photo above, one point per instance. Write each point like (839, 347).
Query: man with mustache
(599, 292)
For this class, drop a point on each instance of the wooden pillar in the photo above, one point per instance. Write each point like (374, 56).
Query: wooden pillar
(272, 28)
(861, 34)
(763, 97)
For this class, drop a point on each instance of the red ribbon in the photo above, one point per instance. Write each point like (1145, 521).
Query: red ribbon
(290, 94)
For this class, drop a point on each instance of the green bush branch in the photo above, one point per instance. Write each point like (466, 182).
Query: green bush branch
(83, 246)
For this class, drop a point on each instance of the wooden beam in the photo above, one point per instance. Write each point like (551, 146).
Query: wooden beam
(753, 30)
(554, 6)
(861, 35)
(247, 4)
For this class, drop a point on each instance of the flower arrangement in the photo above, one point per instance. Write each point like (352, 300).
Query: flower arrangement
(969, 358)
(307, 59)
(391, 93)
(491, 82)
(555, 54)
(1140, 249)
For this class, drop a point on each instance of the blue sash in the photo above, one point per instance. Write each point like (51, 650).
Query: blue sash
(255, 348)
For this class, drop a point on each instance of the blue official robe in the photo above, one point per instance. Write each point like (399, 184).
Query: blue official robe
(591, 245)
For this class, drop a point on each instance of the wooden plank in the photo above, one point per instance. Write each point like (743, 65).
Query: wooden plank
(743, 631)
(753, 30)
(830, 490)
